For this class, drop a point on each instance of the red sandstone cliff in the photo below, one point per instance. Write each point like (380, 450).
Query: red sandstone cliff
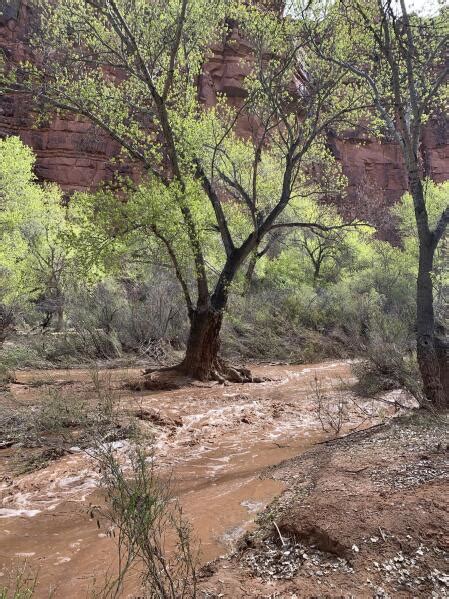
(69, 150)
(77, 155)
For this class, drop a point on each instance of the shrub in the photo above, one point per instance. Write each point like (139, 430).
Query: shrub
(22, 583)
(389, 360)
(58, 421)
(331, 410)
(270, 326)
(142, 515)
(385, 369)
(20, 355)
(133, 315)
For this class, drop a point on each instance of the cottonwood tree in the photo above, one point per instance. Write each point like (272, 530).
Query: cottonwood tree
(399, 59)
(33, 259)
(328, 251)
(131, 67)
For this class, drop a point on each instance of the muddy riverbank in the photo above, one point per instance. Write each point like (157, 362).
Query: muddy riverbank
(214, 440)
(363, 516)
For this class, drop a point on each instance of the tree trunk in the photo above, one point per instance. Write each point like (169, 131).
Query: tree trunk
(250, 273)
(316, 271)
(203, 345)
(429, 365)
(59, 320)
(202, 361)
(442, 350)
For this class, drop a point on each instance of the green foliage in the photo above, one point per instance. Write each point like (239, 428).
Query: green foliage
(16, 178)
(120, 102)
(360, 275)
(144, 518)
(338, 284)
(314, 283)
(13, 356)
(365, 293)
(366, 38)
(33, 259)
(436, 202)
(436, 198)
(22, 584)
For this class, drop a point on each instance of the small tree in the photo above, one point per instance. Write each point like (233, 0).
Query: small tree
(399, 59)
(327, 251)
(33, 258)
(152, 533)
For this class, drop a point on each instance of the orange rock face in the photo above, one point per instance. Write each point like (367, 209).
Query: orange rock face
(375, 169)
(78, 155)
(70, 151)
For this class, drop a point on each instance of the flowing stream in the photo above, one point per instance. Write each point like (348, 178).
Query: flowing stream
(229, 436)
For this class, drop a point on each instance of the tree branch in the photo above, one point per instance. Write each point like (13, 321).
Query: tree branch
(441, 226)
(174, 50)
(177, 268)
(240, 190)
(320, 227)
(226, 238)
(201, 276)
(82, 110)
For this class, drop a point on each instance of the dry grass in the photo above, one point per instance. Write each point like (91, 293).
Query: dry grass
(58, 420)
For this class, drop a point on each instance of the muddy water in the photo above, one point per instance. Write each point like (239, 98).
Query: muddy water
(228, 437)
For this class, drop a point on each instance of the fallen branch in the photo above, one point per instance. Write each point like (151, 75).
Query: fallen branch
(279, 533)
(353, 433)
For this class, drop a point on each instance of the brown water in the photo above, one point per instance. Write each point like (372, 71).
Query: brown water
(229, 436)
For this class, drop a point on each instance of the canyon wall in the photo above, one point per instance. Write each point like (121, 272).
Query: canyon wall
(70, 150)
(78, 155)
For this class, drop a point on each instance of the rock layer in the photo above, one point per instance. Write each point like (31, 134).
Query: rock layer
(70, 150)
(77, 155)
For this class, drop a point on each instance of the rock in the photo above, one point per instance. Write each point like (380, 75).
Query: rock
(152, 415)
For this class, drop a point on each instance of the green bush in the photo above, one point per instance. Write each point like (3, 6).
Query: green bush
(145, 517)
(389, 358)
(22, 583)
(21, 354)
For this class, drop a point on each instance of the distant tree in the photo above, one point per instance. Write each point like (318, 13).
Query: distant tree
(399, 59)
(33, 258)
(131, 67)
(327, 251)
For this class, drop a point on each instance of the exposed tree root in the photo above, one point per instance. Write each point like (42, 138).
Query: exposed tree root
(224, 372)
(162, 379)
(174, 377)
